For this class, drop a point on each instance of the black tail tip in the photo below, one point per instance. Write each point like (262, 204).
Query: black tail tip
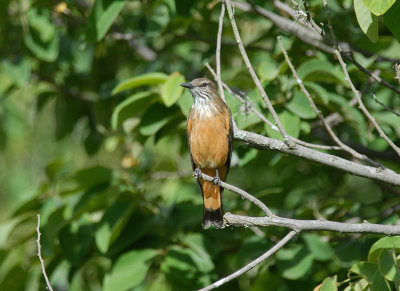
(213, 218)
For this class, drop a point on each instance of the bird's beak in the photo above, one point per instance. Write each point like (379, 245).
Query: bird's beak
(187, 85)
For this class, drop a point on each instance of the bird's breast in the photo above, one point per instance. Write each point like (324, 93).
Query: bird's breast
(208, 136)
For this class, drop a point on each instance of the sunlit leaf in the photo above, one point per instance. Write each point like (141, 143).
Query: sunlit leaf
(367, 21)
(171, 91)
(378, 7)
(149, 79)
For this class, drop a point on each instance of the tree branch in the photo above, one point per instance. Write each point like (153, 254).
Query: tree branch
(311, 37)
(254, 263)
(362, 106)
(218, 51)
(241, 192)
(319, 113)
(262, 117)
(262, 142)
(254, 76)
(311, 225)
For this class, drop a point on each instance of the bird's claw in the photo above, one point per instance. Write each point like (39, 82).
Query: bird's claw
(197, 173)
(217, 181)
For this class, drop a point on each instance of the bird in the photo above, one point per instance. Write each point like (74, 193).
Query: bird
(210, 140)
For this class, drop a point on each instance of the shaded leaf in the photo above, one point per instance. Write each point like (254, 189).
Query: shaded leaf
(129, 270)
(103, 14)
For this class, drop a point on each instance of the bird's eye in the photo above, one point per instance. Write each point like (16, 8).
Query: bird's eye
(204, 85)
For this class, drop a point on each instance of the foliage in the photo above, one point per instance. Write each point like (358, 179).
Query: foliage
(92, 137)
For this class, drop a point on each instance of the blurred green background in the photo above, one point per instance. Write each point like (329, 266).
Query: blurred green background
(92, 138)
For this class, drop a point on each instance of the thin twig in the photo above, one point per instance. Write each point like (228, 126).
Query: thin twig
(241, 192)
(257, 82)
(319, 113)
(330, 26)
(362, 106)
(218, 51)
(397, 70)
(311, 37)
(262, 117)
(385, 106)
(40, 254)
(254, 263)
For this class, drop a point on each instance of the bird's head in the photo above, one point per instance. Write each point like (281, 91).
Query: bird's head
(202, 89)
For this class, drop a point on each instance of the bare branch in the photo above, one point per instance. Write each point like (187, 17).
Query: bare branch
(40, 254)
(262, 117)
(218, 51)
(397, 70)
(319, 113)
(241, 192)
(254, 76)
(312, 225)
(254, 263)
(362, 106)
(311, 37)
(262, 142)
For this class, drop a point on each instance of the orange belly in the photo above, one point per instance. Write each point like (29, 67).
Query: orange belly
(209, 142)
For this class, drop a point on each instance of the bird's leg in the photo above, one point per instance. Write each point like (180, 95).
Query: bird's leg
(197, 172)
(216, 179)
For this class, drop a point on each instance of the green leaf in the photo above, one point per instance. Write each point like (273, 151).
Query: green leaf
(90, 177)
(329, 284)
(171, 91)
(103, 14)
(383, 243)
(149, 79)
(300, 106)
(112, 223)
(75, 241)
(367, 21)
(18, 71)
(23, 228)
(199, 255)
(320, 69)
(320, 91)
(132, 107)
(371, 272)
(365, 269)
(185, 102)
(39, 20)
(180, 268)
(321, 250)
(388, 265)
(391, 18)
(290, 122)
(155, 118)
(378, 7)
(295, 263)
(268, 70)
(129, 270)
(45, 51)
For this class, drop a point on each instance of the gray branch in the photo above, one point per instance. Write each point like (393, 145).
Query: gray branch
(262, 142)
(308, 225)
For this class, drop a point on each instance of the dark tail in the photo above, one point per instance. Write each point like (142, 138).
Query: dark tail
(213, 218)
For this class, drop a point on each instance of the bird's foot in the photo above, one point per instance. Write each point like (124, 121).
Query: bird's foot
(217, 181)
(197, 173)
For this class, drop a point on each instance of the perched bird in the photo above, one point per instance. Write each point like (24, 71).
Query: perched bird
(210, 138)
